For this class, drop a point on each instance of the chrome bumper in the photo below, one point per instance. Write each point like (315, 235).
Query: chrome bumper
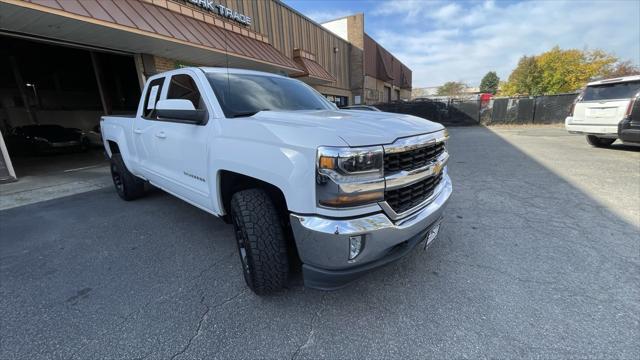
(324, 243)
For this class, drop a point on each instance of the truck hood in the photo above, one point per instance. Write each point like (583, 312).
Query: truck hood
(355, 127)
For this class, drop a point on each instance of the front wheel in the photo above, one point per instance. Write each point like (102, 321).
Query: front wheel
(261, 241)
(598, 141)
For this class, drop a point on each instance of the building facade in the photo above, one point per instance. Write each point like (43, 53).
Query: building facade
(377, 76)
(159, 35)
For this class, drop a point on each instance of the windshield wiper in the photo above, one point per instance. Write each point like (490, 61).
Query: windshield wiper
(245, 113)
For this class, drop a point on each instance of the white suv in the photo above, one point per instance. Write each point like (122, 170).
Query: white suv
(600, 107)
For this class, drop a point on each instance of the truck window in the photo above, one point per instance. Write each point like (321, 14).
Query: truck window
(183, 86)
(151, 97)
(246, 94)
(623, 90)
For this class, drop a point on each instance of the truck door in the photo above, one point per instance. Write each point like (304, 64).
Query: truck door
(180, 150)
(144, 127)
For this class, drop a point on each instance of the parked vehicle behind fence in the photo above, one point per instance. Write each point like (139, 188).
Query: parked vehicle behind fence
(360, 107)
(601, 107)
(342, 192)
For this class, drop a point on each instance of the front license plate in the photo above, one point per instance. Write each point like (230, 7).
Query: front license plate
(432, 235)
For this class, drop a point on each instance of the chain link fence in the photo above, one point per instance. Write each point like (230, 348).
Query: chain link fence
(548, 109)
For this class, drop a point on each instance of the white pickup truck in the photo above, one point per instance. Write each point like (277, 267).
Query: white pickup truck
(338, 192)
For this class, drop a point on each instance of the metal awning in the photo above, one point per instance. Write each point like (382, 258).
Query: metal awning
(384, 70)
(145, 28)
(313, 72)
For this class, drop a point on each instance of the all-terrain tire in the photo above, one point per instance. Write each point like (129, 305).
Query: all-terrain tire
(598, 141)
(261, 241)
(128, 186)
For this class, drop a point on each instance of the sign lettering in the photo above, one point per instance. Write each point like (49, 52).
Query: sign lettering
(223, 11)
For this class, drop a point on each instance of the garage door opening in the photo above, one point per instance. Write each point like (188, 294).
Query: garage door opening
(51, 100)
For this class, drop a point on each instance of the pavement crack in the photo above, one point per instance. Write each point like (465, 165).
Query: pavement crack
(204, 317)
(311, 333)
(226, 301)
(193, 281)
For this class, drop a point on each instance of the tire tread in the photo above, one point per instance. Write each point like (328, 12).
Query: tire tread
(265, 237)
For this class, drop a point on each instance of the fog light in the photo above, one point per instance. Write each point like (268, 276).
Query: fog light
(355, 245)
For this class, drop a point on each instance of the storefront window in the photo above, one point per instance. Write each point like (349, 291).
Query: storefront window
(338, 100)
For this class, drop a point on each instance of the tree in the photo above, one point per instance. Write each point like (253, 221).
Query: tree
(559, 71)
(525, 79)
(490, 83)
(569, 70)
(622, 68)
(451, 88)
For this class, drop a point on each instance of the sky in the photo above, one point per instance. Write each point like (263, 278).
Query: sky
(462, 40)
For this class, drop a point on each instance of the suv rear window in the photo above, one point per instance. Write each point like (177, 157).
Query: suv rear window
(624, 90)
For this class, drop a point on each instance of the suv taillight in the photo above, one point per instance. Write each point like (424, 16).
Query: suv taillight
(630, 106)
(577, 100)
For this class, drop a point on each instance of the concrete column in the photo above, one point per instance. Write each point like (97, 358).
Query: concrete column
(137, 58)
(98, 73)
(21, 88)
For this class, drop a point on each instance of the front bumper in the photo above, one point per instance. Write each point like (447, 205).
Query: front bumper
(323, 244)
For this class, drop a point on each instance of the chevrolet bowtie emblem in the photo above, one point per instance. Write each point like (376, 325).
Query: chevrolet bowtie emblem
(437, 167)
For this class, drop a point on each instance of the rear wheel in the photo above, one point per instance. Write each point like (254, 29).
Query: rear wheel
(261, 241)
(128, 186)
(598, 141)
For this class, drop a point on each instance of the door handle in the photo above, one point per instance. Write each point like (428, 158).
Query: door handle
(137, 131)
(161, 135)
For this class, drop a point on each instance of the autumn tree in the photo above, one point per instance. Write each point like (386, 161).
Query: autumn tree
(525, 79)
(559, 71)
(569, 70)
(451, 88)
(622, 68)
(490, 83)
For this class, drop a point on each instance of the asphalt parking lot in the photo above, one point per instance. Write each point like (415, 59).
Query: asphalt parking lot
(538, 257)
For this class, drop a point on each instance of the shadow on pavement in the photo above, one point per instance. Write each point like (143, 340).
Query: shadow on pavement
(526, 265)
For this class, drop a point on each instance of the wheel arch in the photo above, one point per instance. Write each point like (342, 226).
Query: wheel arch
(230, 182)
(113, 147)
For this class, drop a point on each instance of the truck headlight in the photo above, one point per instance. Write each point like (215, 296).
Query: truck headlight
(349, 176)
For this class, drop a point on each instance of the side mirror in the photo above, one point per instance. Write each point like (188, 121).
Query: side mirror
(180, 110)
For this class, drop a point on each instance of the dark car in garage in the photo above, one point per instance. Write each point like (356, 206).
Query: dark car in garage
(38, 139)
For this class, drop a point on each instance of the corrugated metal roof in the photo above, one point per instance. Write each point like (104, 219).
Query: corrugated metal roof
(314, 70)
(147, 18)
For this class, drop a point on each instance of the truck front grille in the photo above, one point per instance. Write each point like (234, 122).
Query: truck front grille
(412, 159)
(406, 198)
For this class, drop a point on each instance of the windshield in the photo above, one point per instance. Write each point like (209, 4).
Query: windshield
(625, 90)
(247, 94)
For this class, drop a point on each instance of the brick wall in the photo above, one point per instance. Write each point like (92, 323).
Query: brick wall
(163, 64)
(355, 34)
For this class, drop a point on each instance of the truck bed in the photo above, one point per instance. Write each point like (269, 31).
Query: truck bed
(132, 116)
